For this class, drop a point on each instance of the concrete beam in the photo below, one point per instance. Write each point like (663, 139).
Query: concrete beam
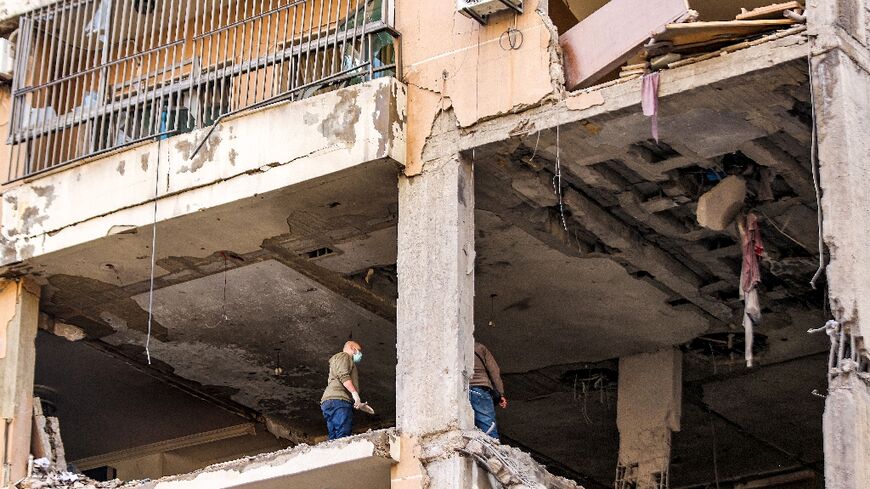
(588, 104)
(641, 254)
(336, 282)
(435, 312)
(798, 178)
(840, 75)
(108, 459)
(847, 433)
(19, 319)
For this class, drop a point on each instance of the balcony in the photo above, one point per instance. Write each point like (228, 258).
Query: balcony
(95, 76)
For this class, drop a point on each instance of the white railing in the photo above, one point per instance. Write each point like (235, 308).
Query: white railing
(96, 75)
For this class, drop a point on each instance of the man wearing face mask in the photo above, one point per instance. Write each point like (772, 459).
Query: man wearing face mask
(341, 396)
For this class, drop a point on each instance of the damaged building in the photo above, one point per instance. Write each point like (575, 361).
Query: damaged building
(650, 211)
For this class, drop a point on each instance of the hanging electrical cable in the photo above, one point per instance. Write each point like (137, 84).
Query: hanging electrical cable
(815, 169)
(492, 309)
(153, 255)
(557, 180)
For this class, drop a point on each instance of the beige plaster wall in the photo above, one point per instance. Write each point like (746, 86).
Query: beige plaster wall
(451, 62)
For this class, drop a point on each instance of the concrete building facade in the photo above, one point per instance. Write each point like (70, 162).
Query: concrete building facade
(640, 207)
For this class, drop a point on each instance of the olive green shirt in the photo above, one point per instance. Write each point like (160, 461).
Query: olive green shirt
(341, 368)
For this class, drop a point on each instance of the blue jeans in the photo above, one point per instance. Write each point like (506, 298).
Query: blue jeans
(339, 417)
(483, 405)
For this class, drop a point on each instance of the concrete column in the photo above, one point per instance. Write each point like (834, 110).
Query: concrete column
(840, 76)
(648, 411)
(847, 433)
(435, 313)
(19, 317)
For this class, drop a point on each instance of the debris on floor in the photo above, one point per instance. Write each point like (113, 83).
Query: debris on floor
(512, 468)
(665, 35)
(683, 43)
(45, 476)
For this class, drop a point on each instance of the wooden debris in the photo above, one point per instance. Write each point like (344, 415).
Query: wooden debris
(697, 34)
(774, 11)
(588, 59)
(737, 47)
(625, 73)
(664, 60)
(653, 49)
(637, 66)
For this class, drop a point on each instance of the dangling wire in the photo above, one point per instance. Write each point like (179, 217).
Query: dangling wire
(715, 454)
(815, 169)
(492, 309)
(511, 39)
(557, 180)
(226, 318)
(153, 256)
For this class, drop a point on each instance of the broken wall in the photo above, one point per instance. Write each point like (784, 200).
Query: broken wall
(472, 70)
(19, 311)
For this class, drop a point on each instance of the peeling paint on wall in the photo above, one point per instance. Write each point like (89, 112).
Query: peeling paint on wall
(470, 72)
(341, 123)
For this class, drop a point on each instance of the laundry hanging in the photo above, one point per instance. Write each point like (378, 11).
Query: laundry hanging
(650, 100)
(750, 277)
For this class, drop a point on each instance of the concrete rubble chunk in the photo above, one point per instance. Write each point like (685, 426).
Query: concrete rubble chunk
(512, 468)
(718, 207)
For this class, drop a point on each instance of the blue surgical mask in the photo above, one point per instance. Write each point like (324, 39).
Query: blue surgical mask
(357, 357)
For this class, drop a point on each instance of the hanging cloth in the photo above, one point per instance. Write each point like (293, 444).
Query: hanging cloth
(750, 277)
(650, 100)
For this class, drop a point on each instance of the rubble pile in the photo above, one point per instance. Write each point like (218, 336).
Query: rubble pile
(512, 468)
(44, 475)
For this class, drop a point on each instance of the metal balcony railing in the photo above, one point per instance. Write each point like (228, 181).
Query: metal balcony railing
(96, 75)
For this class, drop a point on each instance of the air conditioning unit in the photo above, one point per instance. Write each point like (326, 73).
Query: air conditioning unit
(480, 10)
(7, 61)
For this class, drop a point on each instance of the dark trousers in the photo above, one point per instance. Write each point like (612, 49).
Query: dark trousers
(483, 404)
(339, 417)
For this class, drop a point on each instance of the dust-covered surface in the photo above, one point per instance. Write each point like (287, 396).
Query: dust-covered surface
(511, 467)
(45, 477)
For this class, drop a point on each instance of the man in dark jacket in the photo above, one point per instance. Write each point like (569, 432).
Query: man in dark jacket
(341, 396)
(485, 389)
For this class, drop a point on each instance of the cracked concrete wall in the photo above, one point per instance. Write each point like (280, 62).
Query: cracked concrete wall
(847, 434)
(840, 71)
(468, 71)
(841, 82)
(244, 156)
(435, 312)
(19, 317)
